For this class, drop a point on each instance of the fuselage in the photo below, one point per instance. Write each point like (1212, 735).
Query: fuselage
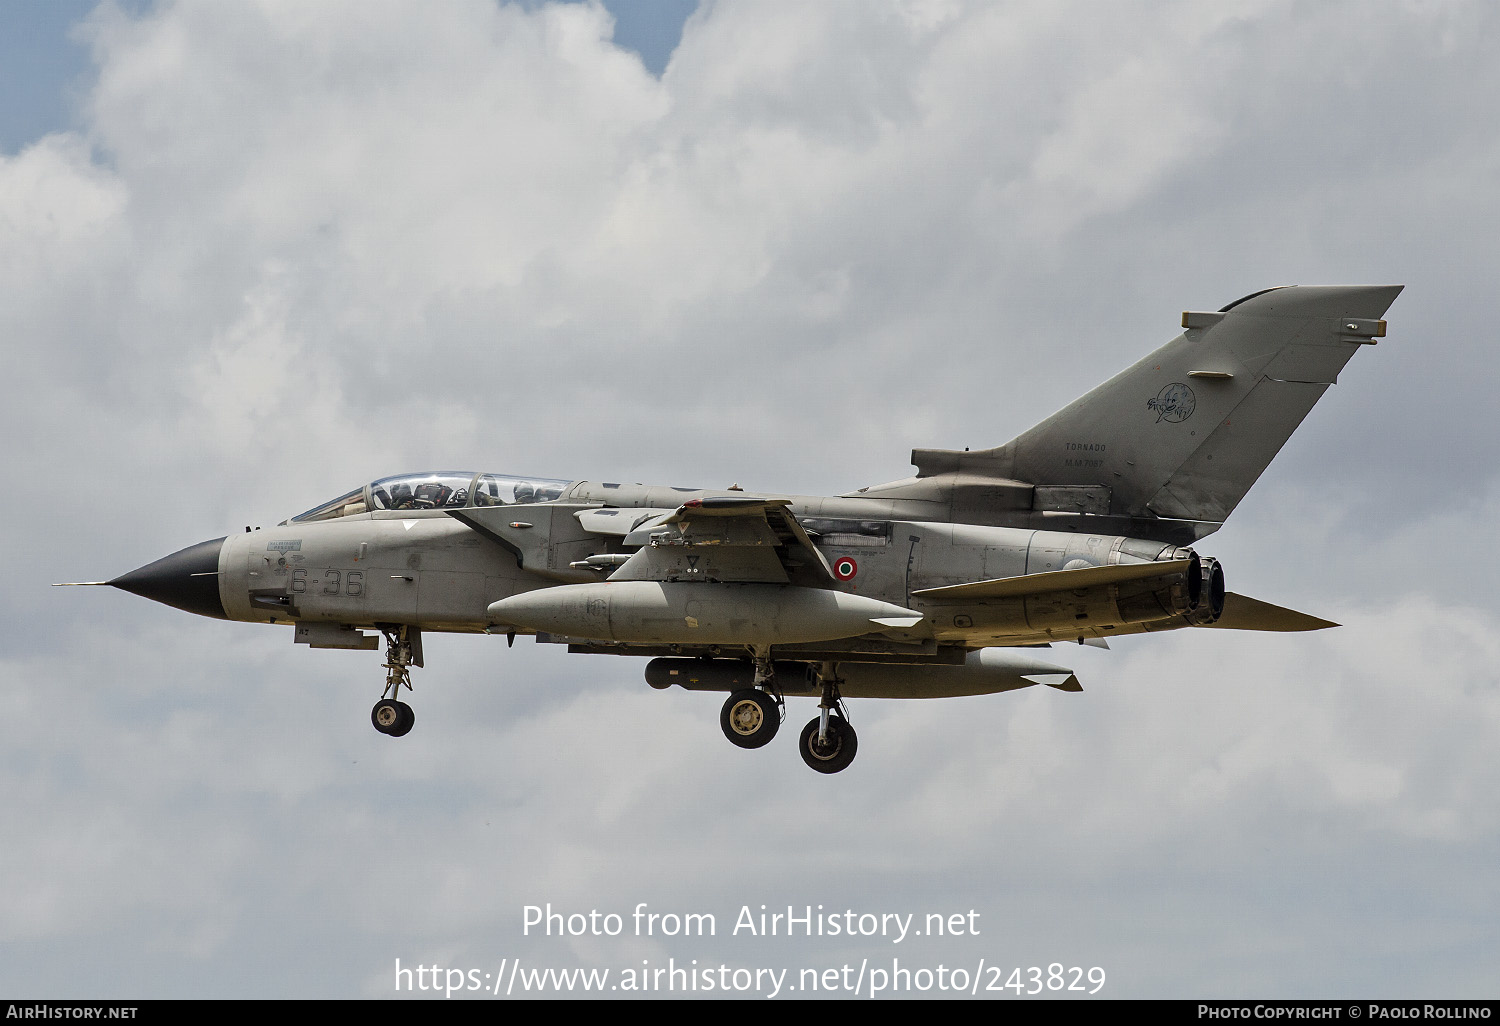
(429, 568)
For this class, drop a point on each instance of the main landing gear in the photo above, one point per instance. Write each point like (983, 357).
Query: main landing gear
(828, 742)
(751, 717)
(403, 650)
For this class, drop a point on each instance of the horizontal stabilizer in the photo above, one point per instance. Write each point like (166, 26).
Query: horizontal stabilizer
(1248, 614)
(1054, 580)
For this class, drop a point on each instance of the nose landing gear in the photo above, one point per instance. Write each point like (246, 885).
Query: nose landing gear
(403, 650)
(393, 718)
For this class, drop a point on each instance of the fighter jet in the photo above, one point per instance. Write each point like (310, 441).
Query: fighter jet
(941, 584)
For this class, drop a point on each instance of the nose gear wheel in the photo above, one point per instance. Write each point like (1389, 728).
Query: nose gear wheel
(403, 650)
(392, 717)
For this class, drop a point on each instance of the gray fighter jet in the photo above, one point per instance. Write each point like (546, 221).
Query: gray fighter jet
(938, 585)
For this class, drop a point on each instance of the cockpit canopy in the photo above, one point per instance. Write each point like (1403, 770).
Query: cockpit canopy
(439, 489)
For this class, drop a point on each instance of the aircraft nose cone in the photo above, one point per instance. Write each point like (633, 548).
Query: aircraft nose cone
(188, 580)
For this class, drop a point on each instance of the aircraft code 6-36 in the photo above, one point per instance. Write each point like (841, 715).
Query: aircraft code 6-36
(513, 977)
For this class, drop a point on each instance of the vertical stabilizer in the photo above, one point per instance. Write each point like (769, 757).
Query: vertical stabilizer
(1185, 432)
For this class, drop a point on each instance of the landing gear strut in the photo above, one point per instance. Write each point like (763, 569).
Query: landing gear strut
(828, 742)
(403, 650)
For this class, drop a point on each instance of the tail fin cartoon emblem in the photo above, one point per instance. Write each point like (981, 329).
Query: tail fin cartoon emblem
(1174, 403)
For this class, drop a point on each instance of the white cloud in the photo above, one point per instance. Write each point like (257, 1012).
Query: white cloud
(305, 245)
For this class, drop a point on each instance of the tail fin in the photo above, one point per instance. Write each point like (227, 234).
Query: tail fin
(1185, 432)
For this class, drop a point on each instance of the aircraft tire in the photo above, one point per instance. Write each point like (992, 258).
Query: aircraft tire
(837, 753)
(386, 715)
(392, 717)
(407, 721)
(750, 718)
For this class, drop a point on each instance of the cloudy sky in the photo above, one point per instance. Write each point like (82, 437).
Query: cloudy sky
(254, 253)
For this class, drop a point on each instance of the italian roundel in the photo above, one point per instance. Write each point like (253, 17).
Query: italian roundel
(845, 568)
